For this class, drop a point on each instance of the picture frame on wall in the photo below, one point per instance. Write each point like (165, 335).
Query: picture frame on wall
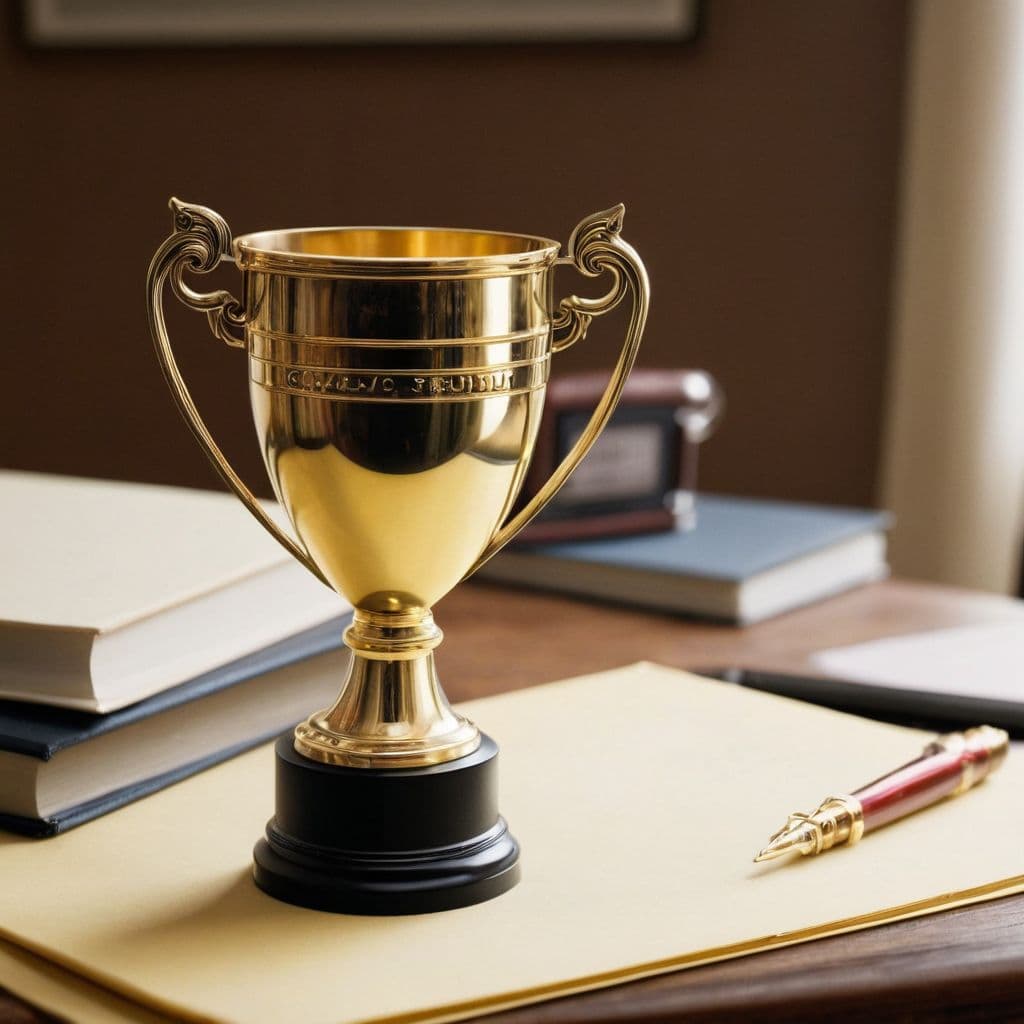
(164, 23)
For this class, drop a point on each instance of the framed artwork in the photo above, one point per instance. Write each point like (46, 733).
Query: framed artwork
(151, 23)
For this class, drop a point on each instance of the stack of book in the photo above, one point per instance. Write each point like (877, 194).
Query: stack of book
(746, 559)
(145, 633)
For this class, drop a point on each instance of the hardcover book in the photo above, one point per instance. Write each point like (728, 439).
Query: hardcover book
(60, 767)
(745, 560)
(116, 591)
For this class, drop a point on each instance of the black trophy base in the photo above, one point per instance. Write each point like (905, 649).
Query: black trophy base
(386, 841)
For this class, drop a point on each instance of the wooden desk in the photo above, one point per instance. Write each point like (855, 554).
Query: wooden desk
(964, 965)
(499, 638)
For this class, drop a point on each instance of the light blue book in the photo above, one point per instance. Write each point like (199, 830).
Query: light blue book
(745, 560)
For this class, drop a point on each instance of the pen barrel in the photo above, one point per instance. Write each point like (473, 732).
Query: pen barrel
(911, 787)
(950, 765)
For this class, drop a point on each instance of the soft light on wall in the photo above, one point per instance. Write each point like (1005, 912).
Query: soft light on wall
(953, 469)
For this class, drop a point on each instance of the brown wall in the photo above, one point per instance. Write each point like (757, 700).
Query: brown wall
(758, 166)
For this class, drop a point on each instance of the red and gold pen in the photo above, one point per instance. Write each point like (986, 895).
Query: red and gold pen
(948, 766)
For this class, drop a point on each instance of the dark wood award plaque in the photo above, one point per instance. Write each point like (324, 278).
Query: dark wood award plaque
(641, 474)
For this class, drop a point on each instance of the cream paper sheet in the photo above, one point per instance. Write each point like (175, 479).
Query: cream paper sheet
(639, 795)
(70, 996)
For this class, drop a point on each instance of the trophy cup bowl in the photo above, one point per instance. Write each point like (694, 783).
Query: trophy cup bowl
(397, 380)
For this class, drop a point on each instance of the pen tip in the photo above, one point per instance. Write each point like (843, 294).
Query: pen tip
(786, 841)
(770, 853)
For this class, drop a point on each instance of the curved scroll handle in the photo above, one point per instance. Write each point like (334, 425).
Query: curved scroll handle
(201, 240)
(595, 247)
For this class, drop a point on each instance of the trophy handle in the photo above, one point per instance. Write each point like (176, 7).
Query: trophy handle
(595, 247)
(201, 240)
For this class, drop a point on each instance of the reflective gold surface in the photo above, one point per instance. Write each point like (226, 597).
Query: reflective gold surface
(397, 378)
(392, 702)
(989, 746)
(350, 251)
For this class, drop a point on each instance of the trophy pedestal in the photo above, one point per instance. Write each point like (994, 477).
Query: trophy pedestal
(386, 841)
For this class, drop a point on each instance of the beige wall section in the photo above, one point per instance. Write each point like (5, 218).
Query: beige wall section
(954, 462)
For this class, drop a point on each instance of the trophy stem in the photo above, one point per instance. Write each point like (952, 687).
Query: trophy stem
(387, 802)
(391, 712)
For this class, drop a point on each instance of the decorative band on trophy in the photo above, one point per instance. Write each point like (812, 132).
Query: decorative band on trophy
(467, 355)
(396, 385)
(535, 338)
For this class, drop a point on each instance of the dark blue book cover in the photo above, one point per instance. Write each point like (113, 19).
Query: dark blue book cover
(734, 539)
(745, 560)
(43, 731)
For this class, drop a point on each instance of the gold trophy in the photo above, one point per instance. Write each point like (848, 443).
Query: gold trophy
(397, 378)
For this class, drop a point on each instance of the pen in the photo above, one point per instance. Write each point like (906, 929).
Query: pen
(948, 766)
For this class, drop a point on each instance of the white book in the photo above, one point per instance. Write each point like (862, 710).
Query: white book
(981, 661)
(111, 592)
